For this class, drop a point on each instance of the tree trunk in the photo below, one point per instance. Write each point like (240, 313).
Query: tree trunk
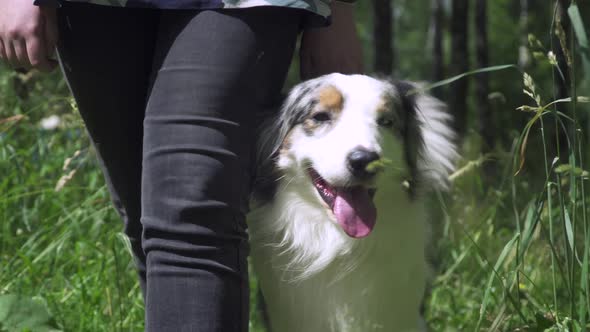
(524, 56)
(383, 36)
(436, 31)
(486, 121)
(459, 64)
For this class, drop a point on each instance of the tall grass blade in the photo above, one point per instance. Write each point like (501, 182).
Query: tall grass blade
(530, 224)
(582, 39)
(582, 307)
(486, 297)
(574, 14)
(578, 27)
(460, 76)
(568, 229)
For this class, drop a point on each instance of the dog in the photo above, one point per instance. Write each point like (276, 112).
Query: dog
(339, 226)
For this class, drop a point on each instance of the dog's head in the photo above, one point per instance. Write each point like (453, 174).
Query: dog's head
(338, 138)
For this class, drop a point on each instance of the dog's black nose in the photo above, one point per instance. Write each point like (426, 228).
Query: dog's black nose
(358, 160)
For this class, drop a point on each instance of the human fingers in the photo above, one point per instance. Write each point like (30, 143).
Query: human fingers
(11, 57)
(37, 54)
(21, 58)
(3, 56)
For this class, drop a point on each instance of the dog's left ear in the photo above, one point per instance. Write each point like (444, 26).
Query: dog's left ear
(268, 138)
(408, 129)
(431, 150)
(274, 131)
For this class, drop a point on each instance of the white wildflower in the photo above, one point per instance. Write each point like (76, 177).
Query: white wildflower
(50, 122)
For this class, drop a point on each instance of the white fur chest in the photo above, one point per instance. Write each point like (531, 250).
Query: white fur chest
(317, 279)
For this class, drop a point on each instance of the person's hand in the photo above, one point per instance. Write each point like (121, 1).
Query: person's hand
(336, 48)
(28, 35)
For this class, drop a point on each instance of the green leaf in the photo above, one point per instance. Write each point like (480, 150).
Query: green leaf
(18, 313)
(563, 168)
(568, 229)
(578, 25)
(567, 169)
(378, 165)
(576, 19)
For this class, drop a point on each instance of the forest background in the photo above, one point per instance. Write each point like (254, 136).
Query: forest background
(513, 236)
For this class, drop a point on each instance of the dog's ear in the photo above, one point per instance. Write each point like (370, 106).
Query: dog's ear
(264, 177)
(273, 132)
(408, 129)
(428, 135)
(294, 109)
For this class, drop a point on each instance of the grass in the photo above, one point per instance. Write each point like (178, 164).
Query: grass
(63, 248)
(513, 253)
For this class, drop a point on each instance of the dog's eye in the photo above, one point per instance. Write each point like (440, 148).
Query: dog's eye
(322, 117)
(385, 121)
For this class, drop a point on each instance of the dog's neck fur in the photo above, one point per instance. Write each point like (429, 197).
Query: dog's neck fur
(298, 250)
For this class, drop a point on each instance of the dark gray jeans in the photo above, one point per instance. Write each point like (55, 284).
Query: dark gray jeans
(170, 100)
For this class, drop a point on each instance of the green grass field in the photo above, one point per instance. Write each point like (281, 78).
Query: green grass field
(512, 250)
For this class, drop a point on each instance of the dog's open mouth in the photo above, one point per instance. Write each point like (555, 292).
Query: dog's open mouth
(353, 207)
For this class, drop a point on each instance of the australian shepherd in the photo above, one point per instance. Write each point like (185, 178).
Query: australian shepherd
(339, 229)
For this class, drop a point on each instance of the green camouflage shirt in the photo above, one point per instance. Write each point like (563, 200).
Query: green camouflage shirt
(319, 7)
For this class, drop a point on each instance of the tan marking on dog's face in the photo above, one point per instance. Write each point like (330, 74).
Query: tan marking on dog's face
(309, 126)
(331, 99)
(385, 108)
(385, 105)
(329, 106)
(386, 116)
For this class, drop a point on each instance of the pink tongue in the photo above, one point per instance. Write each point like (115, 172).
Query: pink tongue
(355, 211)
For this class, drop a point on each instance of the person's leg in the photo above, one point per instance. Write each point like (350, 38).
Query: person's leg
(106, 55)
(214, 70)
